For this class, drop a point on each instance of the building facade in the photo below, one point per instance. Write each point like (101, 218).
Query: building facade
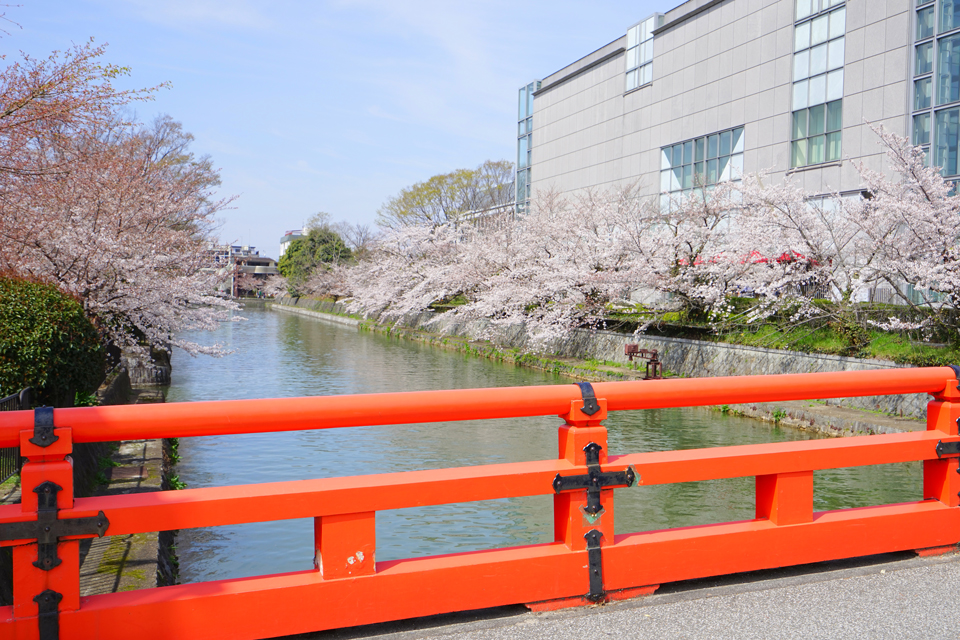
(713, 89)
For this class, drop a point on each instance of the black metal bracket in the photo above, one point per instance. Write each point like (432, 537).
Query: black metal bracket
(48, 603)
(47, 529)
(43, 435)
(947, 448)
(595, 479)
(590, 405)
(595, 565)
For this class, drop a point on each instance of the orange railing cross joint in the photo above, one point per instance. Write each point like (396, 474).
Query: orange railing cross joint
(586, 562)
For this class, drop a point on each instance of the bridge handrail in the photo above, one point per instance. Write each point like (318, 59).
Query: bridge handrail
(225, 417)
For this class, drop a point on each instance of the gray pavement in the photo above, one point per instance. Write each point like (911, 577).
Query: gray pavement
(896, 596)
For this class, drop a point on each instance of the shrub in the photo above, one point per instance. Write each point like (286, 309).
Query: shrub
(46, 343)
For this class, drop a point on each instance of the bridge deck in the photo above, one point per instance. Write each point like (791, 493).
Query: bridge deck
(894, 596)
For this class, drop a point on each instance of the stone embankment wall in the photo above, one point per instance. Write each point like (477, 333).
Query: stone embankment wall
(690, 358)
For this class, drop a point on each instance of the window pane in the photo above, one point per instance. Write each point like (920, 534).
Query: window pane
(799, 124)
(633, 36)
(633, 57)
(677, 155)
(835, 57)
(700, 146)
(665, 180)
(921, 129)
(924, 23)
(801, 65)
(949, 15)
(724, 168)
(800, 94)
(819, 29)
(838, 21)
(803, 9)
(713, 143)
(632, 80)
(675, 176)
(736, 166)
(738, 140)
(948, 70)
(818, 90)
(924, 59)
(835, 85)
(947, 133)
(646, 74)
(833, 146)
(818, 119)
(835, 115)
(798, 153)
(712, 174)
(646, 51)
(801, 38)
(725, 139)
(688, 152)
(815, 150)
(818, 60)
(921, 94)
(666, 158)
(687, 176)
(922, 2)
(522, 152)
(522, 113)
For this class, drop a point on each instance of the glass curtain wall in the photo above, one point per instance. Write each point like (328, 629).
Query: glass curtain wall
(819, 30)
(700, 163)
(936, 82)
(639, 52)
(525, 144)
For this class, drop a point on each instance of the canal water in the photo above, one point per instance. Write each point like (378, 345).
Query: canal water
(282, 355)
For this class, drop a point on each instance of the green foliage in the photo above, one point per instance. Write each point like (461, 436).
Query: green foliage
(47, 343)
(321, 246)
(175, 483)
(778, 415)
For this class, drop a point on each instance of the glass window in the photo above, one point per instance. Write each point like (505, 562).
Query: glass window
(713, 146)
(817, 119)
(801, 65)
(522, 146)
(802, 37)
(819, 29)
(948, 69)
(633, 79)
(666, 160)
(665, 180)
(798, 153)
(646, 74)
(738, 140)
(800, 94)
(925, 23)
(923, 2)
(947, 133)
(838, 23)
(921, 94)
(924, 59)
(815, 149)
(725, 139)
(949, 15)
(736, 166)
(799, 124)
(835, 85)
(804, 9)
(818, 90)
(677, 155)
(818, 59)
(834, 115)
(833, 146)
(701, 149)
(835, 57)
(921, 129)
(688, 152)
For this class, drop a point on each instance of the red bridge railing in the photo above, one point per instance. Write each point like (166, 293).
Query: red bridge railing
(587, 562)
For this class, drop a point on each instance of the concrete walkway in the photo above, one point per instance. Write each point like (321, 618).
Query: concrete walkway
(896, 597)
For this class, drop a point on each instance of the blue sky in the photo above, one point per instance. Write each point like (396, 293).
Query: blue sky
(330, 105)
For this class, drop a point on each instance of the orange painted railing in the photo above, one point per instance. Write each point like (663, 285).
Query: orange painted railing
(587, 562)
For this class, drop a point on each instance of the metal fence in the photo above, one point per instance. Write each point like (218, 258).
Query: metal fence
(10, 460)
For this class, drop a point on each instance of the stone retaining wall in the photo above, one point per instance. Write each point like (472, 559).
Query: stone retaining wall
(690, 358)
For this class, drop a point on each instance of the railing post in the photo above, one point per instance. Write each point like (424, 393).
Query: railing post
(346, 545)
(785, 498)
(47, 472)
(570, 519)
(940, 478)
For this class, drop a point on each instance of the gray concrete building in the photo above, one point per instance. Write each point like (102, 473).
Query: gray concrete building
(715, 88)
